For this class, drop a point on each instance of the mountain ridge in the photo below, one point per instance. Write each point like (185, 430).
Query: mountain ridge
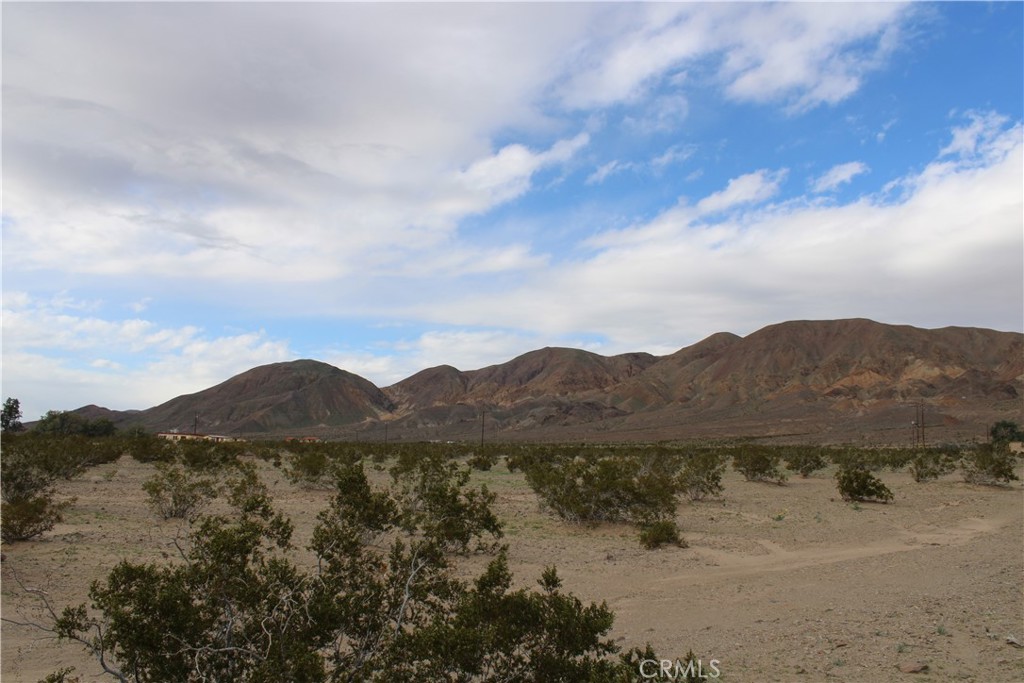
(832, 378)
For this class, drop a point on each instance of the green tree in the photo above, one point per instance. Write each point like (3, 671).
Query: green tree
(10, 416)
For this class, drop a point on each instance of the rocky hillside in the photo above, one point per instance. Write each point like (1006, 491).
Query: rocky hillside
(280, 396)
(837, 379)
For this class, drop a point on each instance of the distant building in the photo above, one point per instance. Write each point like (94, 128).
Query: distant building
(180, 436)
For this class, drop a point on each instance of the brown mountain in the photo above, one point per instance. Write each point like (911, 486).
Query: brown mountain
(547, 373)
(269, 398)
(811, 380)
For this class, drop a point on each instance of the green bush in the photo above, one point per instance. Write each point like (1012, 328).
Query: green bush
(661, 532)
(439, 502)
(27, 518)
(759, 463)
(858, 484)
(178, 493)
(989, 464)
(805, 460)
(310, 469)
(590, 486)
(931, 464)
(701, 474)
(27, 479)
(381, 602)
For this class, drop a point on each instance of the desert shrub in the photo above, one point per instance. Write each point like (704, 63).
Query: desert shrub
(893, 458)
(208, 456)
(871, 459)
(438, 502)
(310, 469)
(148, 448)
(483, 461)
(701, 474)
(859, 484)
(28, 507)
(63, 457)
(988, 464)
(29, 517)
(759, 463)
(660, 532)
(382, 603)
(590, 486)
(929, 465)
(806, 460)
(1005, 431)
(176, 492)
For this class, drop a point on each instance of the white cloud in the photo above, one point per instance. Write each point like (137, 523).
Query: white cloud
(605, 170)
(57, 360)
(838, 175)
(506, 174)
(808, 54)
(804, 54)
(673, 155)
(983, 139)
(949, 248)
(749, 188)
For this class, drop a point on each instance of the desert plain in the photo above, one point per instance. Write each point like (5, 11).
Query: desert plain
(778, 583)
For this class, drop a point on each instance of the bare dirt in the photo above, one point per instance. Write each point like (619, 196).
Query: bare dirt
(779, 583)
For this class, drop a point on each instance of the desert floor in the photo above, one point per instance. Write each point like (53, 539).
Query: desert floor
(779, 583)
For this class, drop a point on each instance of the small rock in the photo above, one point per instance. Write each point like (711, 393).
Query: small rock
(801, 670)
(913, 667)
(1010, 640)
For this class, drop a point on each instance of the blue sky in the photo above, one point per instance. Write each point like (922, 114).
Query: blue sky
(191, 190)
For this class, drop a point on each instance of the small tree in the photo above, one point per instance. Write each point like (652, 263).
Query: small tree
(10, 416)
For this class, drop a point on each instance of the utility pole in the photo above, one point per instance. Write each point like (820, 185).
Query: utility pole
(483, 413)
(385, 435)
(918, 425)
(195, 425)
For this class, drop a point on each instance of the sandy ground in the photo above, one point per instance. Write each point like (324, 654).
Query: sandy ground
(779, 583)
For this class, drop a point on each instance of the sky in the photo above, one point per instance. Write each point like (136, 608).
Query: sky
(192, 190)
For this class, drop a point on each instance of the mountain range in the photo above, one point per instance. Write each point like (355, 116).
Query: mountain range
(807, 381)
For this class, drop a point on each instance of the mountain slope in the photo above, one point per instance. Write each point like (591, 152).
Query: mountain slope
(838, 378)
(302, 393)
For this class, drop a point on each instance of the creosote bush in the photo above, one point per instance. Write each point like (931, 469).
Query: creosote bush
(859, 484)
(589, 486)
(659, 533)
(701, 474)
(177, 492)
(27, 475)
(381, 602)
(928, 465)
(989, 464)
(759, 463)
(806, 460)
